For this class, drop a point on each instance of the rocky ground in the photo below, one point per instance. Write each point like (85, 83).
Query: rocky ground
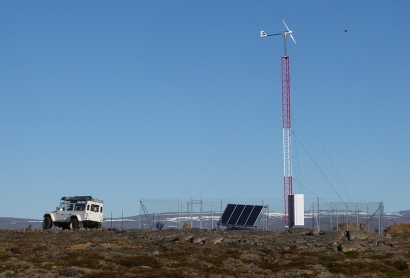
(205, 253)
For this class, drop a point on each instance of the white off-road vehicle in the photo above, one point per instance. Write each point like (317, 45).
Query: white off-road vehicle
(76, 212)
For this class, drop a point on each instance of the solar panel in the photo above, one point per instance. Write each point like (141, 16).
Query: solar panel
(245, 215)
(227, 214)
(253, 216)
(240, 215)
(236, 214)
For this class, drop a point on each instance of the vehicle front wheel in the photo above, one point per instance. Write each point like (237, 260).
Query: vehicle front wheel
(47, 223)
(74, 224)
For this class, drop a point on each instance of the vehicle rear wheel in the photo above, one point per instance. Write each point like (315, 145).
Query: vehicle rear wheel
(74, 224)
(47, 223)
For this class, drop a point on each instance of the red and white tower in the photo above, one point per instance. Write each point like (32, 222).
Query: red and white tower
(286, 125)
(287, 147)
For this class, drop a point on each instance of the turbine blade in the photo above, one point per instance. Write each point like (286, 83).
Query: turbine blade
(286, 25)
(292, 38)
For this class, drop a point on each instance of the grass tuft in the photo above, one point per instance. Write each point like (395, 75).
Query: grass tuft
(400, 265)
(139, 261)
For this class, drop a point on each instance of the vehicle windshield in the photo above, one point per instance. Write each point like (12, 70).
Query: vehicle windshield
(62, 207)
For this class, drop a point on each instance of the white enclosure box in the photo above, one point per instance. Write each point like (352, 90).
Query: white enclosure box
(299, 209)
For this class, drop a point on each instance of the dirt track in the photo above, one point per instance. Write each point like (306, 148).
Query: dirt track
(204, 253)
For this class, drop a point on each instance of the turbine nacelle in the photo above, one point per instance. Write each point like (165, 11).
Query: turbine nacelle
(285, 33)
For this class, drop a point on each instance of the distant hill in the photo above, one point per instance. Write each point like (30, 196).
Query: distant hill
(12, 223)
(325, 222)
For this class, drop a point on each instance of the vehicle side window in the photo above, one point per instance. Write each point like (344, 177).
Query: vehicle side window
(88, 207)
(79, 207)
(70, 207)
(95, 208)
(101, 209)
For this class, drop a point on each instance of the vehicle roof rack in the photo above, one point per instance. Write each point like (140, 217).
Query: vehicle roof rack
(77, 198)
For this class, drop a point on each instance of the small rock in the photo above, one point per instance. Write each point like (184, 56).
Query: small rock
(17, 250)
(348, 247)
(214, 240)
(198, 239)
(357, 235)
(185, 238)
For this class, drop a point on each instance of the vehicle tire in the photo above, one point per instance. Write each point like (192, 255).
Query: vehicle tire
(47, 223)
(74, 224)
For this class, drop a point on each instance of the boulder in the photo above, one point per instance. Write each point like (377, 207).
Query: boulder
(349, 247)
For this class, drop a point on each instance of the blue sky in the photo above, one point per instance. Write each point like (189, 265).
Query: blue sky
(130, 100)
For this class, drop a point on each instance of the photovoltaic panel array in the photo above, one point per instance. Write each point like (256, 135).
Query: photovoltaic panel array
(240, 215)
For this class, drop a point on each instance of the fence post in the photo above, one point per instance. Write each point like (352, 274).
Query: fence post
(139, 220)
(200, 214)
(212, 217)
(368, 224)
(263, 218)
(381, 209)
(221, 207)
(347, 220)
(267, 217)
(337, 219)
(191, 214)
(312, 209)
(330, 212)
(318, 215)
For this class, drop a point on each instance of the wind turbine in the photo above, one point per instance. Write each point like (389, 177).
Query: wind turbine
(284, 33)
(286, 124)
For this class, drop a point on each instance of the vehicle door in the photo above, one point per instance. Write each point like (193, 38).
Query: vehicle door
(64, 212)
(94, 212)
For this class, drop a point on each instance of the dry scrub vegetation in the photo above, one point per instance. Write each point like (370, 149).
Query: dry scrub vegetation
(205, 253)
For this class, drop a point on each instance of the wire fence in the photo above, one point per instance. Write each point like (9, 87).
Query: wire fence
(205, 214)
(195, 213)
(345, 216)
